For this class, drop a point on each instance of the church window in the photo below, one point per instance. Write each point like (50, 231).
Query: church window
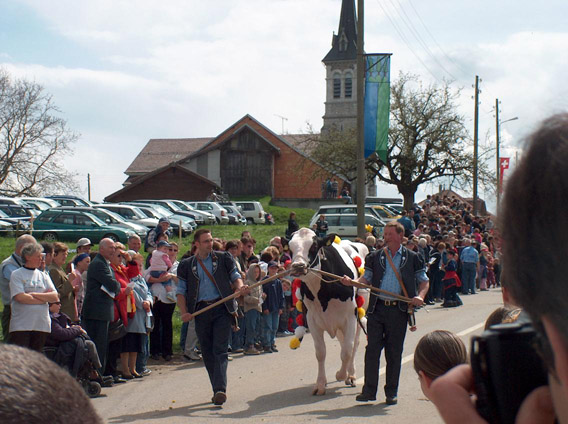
(336, 86)
(343, 41)
(348, 85)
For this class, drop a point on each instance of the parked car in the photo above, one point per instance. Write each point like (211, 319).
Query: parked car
(68, 225)
(187, 223)
(345, 225)
(208, 218)
(13, 221)
(65, 200)
(19, 213)
(341, 209)
(14, 201)
(212, 207)
(234, 215)
(385, 214)
(131, 213)
(169, 206)
(110, 218)
(252, 211)
(40, 203)
(6, 228)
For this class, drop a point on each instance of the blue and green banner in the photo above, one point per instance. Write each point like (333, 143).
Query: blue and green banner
(377, 104)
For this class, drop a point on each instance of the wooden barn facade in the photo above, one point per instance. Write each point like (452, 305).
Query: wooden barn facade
(247, 159)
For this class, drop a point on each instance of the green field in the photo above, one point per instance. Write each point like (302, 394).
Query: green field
(261, 233)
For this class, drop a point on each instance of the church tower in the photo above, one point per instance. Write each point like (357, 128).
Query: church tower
(341, 73)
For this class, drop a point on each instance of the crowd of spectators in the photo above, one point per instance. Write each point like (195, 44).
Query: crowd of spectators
(123, 305)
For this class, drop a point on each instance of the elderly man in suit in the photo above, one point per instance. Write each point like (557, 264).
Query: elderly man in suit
(98, 305)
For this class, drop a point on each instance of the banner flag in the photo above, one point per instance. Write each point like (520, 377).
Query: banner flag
(377, 104)
(503, 164)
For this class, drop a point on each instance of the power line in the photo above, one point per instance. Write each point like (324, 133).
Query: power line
(404, 39)
(414, 31)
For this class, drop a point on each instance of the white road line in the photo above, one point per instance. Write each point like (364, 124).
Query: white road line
(410, 357)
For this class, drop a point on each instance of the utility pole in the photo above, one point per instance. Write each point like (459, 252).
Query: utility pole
(360, 122)
(89, 187)
(497, 165)
(475, 142)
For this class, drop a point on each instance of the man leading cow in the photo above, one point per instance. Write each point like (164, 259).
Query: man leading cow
(387, 317)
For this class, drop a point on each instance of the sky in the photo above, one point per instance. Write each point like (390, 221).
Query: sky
(124, 71)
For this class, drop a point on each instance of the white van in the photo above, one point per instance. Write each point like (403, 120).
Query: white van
(252, 211)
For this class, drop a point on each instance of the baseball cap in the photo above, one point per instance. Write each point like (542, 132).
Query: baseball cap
(163, 219)
(84, 242)
(162, 243)
(272, 263)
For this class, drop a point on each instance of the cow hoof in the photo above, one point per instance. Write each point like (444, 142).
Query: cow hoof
(339, 376)
(318, 391)
(351, 381)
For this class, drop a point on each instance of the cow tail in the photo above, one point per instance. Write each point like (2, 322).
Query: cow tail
(359, 322)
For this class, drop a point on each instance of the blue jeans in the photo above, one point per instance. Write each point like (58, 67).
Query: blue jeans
(183, 335)
(270, 327)
(213, 330)
(142, 358)
(468, 277)
(251, 319)
(238, 337)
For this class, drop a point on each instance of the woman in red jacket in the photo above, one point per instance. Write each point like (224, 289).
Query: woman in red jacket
(121, 301)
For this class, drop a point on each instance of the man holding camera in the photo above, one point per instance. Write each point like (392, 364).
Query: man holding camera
(533, 221)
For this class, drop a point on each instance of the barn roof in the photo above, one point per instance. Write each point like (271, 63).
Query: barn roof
(159, 152)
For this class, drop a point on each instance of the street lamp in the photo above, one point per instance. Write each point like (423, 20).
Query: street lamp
(498, 165)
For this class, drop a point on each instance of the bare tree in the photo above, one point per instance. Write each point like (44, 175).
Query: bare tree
(34, 140)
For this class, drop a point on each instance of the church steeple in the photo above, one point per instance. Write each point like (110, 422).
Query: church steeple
(344, 43)
(341, 73)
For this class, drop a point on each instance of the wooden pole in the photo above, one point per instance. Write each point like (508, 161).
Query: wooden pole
(365, 286)
(237, 293)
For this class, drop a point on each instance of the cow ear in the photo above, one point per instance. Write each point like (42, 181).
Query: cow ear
(328, 240)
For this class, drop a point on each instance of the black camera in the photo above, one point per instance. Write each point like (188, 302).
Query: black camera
(506, 368)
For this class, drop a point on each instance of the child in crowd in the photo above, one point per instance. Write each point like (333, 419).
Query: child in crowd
(253, 308)
(271, 308)
(435, 354)
(451, 282)
(160, 263)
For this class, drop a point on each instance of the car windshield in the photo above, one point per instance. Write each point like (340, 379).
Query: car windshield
(113, 215)
(229, 209)
(180, 205)
(162, 211)
(3, 214)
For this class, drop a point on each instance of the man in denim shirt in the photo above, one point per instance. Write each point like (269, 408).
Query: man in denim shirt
(387, 317)
(196, 290)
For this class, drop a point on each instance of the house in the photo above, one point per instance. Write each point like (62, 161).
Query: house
(246, 159)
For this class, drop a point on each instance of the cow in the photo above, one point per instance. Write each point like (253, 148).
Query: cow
(331, 306)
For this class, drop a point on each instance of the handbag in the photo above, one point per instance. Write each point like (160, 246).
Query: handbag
(116, 330)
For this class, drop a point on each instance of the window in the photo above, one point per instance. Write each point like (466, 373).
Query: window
(336, 86)
(64, 218)
(348, 221)
(348, 85)
(126, 213)
(84, 221)
(332, 221)
(247, 206)
(45, 217)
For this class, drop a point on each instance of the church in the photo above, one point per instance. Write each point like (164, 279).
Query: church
(247, 158)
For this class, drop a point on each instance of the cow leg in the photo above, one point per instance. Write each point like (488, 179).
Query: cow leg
(319, 344)
(347, 339)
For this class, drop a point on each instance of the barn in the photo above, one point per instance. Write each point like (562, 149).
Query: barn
(246, 159)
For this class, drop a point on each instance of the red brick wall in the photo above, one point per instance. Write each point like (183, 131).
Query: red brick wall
(170, 184)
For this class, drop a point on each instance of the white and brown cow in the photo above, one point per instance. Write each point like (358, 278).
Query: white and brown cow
(331, 307)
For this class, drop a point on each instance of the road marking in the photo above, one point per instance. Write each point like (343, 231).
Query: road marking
(410, 357)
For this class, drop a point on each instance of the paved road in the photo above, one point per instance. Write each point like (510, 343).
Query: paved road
(276, 388)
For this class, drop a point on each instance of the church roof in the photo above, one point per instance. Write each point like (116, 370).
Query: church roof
(344, 43)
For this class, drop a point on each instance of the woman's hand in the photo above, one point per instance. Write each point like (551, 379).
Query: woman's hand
(127, 290)
(146, 306)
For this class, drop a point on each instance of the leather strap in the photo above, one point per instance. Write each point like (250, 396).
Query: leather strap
(396, 272)
(206, 271)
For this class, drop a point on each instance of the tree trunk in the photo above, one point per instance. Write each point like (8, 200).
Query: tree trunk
(408, 195)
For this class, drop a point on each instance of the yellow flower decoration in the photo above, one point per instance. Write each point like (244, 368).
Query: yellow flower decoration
(361, 312)
(361, 271)
(369, 228)
(299, 305)
(294, 343)
(337, 240)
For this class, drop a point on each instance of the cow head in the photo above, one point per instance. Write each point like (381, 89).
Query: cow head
(305, 247)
